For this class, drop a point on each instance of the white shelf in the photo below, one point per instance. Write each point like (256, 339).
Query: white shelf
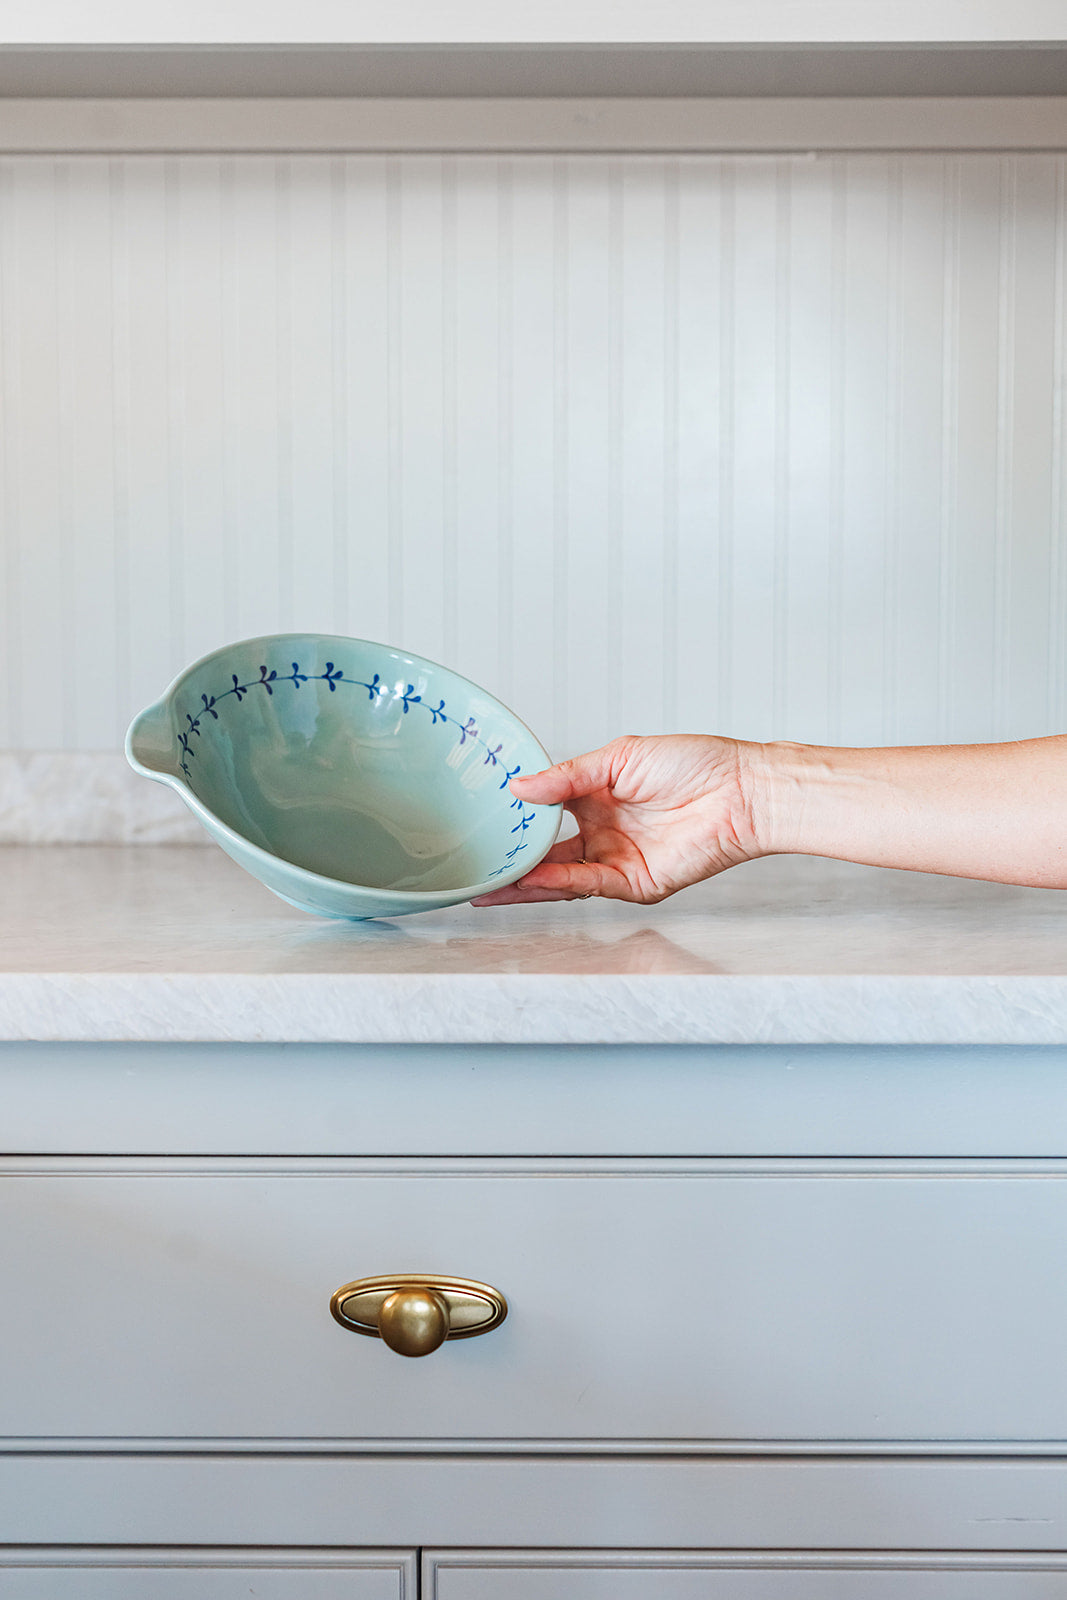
(532, 48)
(218, 23)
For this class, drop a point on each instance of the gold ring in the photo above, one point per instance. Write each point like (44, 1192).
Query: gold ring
(582, 862)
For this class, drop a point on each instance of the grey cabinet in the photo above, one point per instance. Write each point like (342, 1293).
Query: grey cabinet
(838, 1376)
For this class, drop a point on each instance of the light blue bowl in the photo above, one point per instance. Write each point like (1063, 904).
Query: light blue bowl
(352, 779)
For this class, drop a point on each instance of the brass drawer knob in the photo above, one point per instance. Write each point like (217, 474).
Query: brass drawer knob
(415, 1314)
(414, 1321)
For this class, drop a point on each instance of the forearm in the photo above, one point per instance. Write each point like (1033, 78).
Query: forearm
(996, 811)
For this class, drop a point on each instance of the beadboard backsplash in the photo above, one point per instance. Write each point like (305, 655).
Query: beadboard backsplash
(767, 446)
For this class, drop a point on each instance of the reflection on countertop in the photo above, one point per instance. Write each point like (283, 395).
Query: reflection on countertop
(128, 909)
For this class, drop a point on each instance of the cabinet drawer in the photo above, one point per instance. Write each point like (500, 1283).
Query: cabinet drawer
(178, 1574)
(682, 1302)
(624, 1575)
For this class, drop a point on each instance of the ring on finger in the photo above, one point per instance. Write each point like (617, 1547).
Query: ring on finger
(582, 862)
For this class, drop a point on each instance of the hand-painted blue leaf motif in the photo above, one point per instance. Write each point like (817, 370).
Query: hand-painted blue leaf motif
(332, 676)
(410, 698)
(374, 689)
(266, 680)
(437, 713)
(468, 731)
(296, 676)
(194, 724)
(209, 707)
(239, 689)
(509, 775)
(491, 755)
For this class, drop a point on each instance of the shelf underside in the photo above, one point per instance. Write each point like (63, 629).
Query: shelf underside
(466, 71)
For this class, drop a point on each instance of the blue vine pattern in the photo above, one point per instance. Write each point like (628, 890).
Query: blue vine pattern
(376, 690)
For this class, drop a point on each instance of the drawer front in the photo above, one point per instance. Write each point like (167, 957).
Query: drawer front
(699, 1302)
(177, 1574)
(621, 1575)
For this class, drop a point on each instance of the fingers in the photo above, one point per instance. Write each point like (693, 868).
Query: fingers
(562, 878)
(516, 894)
(564, 874)
(566, 853)
(568, 780)
(563, 851)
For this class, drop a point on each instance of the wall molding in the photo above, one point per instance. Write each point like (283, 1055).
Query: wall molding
(188, 125)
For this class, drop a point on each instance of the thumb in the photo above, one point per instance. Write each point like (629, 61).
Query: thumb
(568, 780)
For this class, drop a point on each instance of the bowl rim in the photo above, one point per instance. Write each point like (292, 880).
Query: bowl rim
(412, 897)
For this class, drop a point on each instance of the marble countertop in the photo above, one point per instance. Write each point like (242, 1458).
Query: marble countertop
(175, 943)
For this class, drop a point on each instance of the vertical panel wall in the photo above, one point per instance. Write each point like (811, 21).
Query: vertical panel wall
(770, 446)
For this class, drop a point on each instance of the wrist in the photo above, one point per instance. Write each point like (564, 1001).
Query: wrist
(781, 783)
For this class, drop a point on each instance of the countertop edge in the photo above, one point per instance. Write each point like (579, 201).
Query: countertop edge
(532, 1008)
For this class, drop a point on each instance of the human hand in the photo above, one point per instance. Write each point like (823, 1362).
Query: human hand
(654, 815)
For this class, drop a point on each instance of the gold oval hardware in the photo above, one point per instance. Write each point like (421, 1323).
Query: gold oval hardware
(416, 1313)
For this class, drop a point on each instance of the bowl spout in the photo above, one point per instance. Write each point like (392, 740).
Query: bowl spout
(150, 742)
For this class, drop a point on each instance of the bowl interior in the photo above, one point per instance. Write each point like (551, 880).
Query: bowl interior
(359, 762)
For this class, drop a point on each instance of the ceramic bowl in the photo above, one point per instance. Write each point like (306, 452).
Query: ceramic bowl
(352, 779)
